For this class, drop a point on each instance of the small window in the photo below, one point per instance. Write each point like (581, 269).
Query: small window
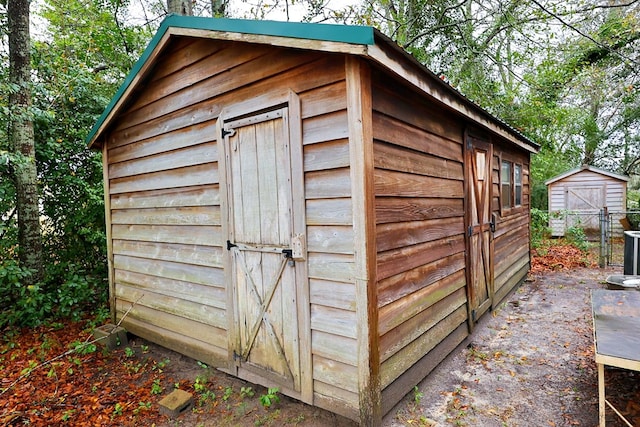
(505, 184)
(517, 182)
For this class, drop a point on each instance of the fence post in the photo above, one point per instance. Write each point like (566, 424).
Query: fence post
(604, 219)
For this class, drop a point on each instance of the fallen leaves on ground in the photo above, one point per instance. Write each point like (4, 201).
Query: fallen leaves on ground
(558, 254)
(96, 388)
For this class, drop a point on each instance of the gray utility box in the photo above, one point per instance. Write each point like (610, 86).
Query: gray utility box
(632, 252)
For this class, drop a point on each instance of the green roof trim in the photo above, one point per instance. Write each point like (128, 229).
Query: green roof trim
(350, 34)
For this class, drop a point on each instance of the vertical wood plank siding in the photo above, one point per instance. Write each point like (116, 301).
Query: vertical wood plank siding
(420, 233)
(166, 213)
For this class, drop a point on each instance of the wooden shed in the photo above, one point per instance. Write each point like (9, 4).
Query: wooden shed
(577, 196)
(307, 207)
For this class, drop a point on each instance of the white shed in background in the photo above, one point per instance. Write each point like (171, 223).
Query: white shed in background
(576, 197)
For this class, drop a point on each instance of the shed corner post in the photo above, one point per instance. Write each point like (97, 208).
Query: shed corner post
(107, 224)
(359, 109)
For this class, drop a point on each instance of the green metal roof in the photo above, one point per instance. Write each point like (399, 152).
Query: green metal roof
(350, 34)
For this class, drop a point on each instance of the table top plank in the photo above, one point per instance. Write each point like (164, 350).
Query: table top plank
(616, 321)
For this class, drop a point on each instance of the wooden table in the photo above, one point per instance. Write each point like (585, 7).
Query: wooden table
(616, 332)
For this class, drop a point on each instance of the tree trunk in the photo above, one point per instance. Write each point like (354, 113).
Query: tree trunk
(21, 140)
(180, 7)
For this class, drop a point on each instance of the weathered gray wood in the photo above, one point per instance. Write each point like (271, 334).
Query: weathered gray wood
(206, 235)
(334, 321)
(333, 294)
(323, 100)
(209, 256)
(328, 184)
(329, 211)
(181, 138)
(172, 270)
(202, 294)
(333, 267)
(335, 373)
(327, 127)
(167, 197)
(193, 215)
(330, 239)
(335, 347)
(184, 177)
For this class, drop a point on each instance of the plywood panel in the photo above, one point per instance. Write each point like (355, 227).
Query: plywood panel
(193, 215)
(334, 347)
(186, 309)
(171, 270)
(330, 239)
(210, 256)
(333, 294)
(188, 234)
(388, 183)
(329, 155)
(329, 211)
(178, 197)
(214, 296)
(395, 131)
(328, 184)
(404, 209)
(334, 321)
(185, 177)
(387, 156)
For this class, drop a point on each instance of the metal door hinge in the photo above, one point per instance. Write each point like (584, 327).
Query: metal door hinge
(230, 245)
(470, 231)
(227, 132)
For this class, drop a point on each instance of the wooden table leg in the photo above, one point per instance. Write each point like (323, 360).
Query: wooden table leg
(601, 396)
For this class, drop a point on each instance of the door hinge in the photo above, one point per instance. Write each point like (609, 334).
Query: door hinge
(227, 132)
(231, 245)
(470, 231)
(473, 316)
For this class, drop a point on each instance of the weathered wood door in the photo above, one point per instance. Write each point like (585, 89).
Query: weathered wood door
(478, 161)
(259, 199)
(584, 204)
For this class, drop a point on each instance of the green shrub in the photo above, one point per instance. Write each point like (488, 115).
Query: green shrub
(577, 237)
(539, 226)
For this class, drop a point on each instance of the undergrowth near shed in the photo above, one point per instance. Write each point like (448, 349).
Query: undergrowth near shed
(561, 254)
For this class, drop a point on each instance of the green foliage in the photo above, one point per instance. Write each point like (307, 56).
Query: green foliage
(576, 236)
(539, 226)
(270, 397)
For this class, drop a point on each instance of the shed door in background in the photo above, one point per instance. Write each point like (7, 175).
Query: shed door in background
(584, 204)
(259, 197)
(478, 161)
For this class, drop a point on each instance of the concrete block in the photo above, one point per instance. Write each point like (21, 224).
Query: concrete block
(110, 336)
(175, 403)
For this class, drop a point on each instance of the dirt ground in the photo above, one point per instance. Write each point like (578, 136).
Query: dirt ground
(529, 363)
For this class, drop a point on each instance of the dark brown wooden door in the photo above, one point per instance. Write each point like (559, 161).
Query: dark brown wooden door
(478, 161)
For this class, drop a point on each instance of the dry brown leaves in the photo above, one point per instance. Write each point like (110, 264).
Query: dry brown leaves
(556, 255)
(98, 388)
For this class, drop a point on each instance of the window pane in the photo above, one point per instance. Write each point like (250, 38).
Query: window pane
(517, 175)
(505, 187)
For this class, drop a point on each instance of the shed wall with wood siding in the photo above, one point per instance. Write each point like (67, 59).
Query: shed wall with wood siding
(384, 294)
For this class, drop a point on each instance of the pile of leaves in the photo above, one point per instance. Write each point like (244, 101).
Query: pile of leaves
(559, 254)
(51, 376)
